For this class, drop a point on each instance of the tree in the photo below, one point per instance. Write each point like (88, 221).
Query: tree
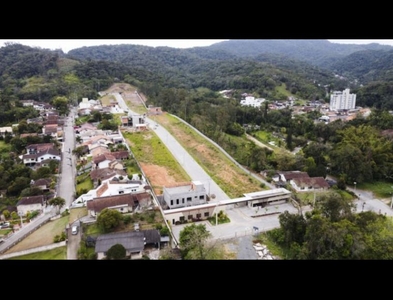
(108, 219)
(335, 207)
(79, 151)
(58, 202)
(61, 104)
(293, 227)
(117, 251)
(42, 172)
(6, 214)
(192, 241)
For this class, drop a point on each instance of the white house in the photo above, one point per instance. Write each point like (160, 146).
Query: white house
(5, 130)
(32, 159)
(111, 187)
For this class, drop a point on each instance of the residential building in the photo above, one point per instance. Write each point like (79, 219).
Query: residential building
(133, 241)
(251, 101)
(33, 159)
(304, 184)
(39, 148)
(124, 203)
(6, 130)
(29, 204)
(342, 100)
(42, 183)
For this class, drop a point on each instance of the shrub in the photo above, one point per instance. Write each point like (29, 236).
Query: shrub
(127, 219)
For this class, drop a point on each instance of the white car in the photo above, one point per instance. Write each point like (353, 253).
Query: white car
(74, 229)
(5, 225)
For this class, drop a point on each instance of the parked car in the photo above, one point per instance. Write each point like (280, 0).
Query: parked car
(4, 225)
(74, 229)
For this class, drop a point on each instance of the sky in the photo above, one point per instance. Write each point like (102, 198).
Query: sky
(69, 44)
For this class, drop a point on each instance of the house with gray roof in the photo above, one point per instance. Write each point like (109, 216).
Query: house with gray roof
(133, 241)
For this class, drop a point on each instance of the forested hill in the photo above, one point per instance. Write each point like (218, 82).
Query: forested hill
(365, 63)
(31, 73)
(366, 66)
(204, 67)
(316, 52)
(321, 53)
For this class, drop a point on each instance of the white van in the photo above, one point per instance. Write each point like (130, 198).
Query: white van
(74, 229)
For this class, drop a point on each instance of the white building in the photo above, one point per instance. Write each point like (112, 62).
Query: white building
(251, 101)
(184, 195)
(342, 100)
(111, 187)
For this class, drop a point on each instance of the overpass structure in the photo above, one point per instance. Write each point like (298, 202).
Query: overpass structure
(204, 211)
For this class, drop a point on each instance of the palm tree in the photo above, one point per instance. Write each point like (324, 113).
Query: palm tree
(59, 202)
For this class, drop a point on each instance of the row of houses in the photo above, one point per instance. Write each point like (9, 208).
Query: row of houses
(113, 189)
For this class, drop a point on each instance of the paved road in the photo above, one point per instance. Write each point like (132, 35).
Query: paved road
(66, 188)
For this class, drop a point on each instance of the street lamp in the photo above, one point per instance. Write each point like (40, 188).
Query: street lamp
(314, 198)
(355, 186)
(391, 202)
(216, 214)
(21, 221)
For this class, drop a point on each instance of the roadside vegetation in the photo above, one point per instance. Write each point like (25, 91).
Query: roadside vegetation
(332, 230)
(380, 189)
(59, 253)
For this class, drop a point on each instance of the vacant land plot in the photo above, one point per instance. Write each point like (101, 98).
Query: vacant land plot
(232, 180)
(42, 236)
(158, 164)
(132, 99)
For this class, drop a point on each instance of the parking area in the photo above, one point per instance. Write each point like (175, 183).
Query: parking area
(244, 221)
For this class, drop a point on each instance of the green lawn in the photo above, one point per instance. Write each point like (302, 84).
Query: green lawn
(380, 189)
(266, 137)
(59, 253)
(84, 182)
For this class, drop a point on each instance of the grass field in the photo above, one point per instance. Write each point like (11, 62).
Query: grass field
(380, 189)
(59, 253)
(42, 236)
